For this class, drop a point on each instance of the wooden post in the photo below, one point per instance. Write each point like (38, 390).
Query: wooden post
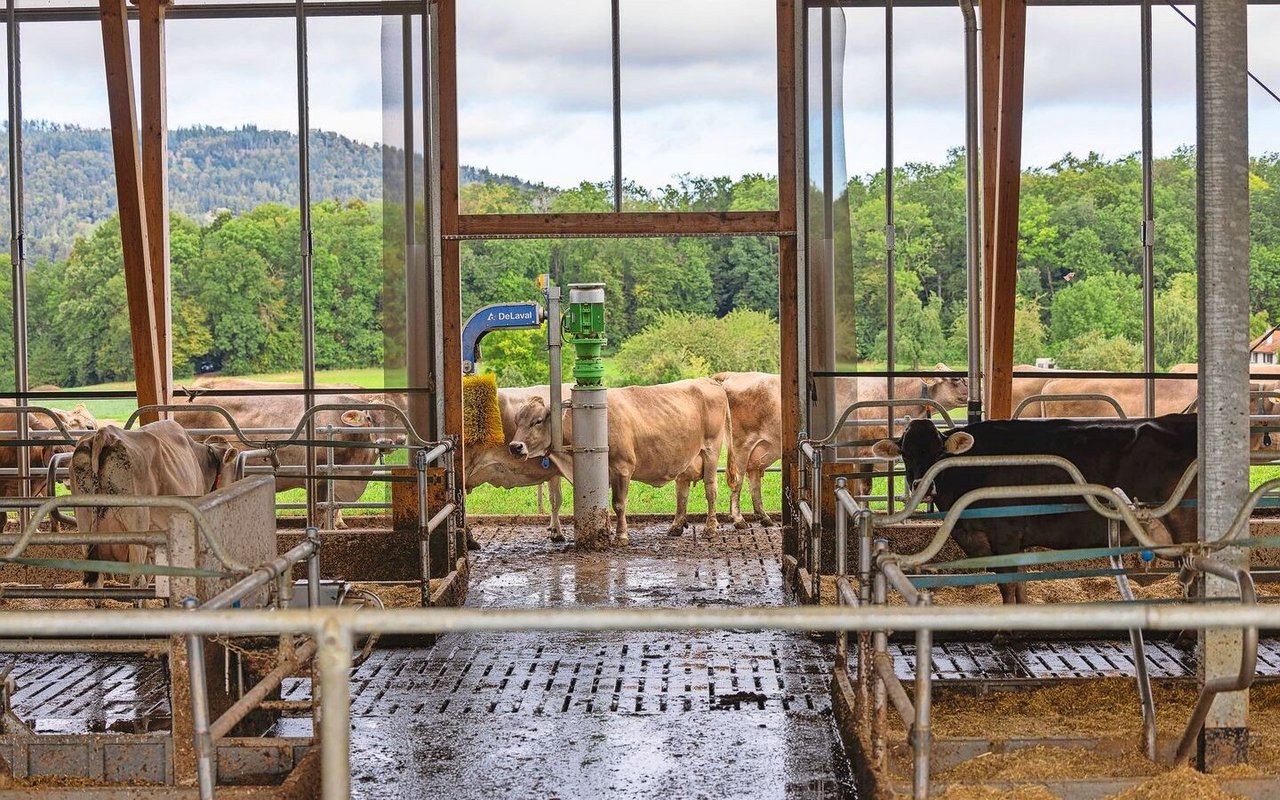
(155, 177)
(129, 187)
(789, 249)
(450, 382)
(1001, 235)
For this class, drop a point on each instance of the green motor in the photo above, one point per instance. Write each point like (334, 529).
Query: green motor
(584, 329)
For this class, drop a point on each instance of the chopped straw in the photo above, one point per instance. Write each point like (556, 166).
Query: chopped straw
(961, 791)
(1183, 783)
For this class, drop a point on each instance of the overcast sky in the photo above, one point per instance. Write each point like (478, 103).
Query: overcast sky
(698, 83)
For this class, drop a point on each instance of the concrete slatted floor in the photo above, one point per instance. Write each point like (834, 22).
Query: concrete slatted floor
(719, 715)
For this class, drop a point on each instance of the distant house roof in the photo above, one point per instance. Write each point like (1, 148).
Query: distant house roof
(1268, 342)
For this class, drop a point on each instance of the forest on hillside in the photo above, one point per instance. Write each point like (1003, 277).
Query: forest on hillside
(69, 176)
(675, 306)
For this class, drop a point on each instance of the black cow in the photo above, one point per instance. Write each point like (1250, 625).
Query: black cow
(1143, 457)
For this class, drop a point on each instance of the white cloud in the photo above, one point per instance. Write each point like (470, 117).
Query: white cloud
(699, 83)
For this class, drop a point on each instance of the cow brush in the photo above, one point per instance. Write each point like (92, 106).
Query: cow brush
(481, 416)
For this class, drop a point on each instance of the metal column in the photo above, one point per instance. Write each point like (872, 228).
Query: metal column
(1148, 218)
(17, 245)
(1222, 191)
(972, 206)
(305, 251)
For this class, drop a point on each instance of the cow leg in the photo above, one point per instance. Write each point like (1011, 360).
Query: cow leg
(757, 501)
(557, 498)
(711, 486)
(734, 479)
(682, 506)
(620, 487)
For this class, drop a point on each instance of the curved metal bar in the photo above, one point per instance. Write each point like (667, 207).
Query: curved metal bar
(1179, 489)
(903, 401)
(922, 486)
(219, 410)
(126, 501)
(1243, 679)
(411, 434)
(1050, 398)
(48, 412)
(1241, 522)
(1025, 490)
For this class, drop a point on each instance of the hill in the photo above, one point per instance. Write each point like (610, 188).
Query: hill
(70, 180)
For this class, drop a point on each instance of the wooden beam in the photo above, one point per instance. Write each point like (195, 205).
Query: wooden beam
(155, 176)
(129, 190)
(450, 382)
(989, 44)
(1004, 263)
(447, 38)
(709, 223)
(788, 248)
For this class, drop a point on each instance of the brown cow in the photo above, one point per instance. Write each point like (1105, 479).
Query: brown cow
(657, 434)
(381, 419)
(1172, 395)
(78, 419)
(156, 459)
(499, 467)
(755, 404)
(277, 411)
(947, 392)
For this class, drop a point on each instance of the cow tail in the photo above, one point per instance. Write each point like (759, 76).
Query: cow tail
(731, 473)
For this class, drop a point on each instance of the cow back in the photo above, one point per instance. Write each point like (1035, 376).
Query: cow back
(1143, 457)
(658, 433)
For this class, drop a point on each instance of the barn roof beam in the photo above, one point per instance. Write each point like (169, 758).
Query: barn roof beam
(145, 320)
(1004, 29)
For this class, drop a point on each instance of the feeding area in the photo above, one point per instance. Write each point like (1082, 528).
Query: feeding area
(616, 399)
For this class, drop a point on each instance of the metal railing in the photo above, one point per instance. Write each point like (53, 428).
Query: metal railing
(335, 629)
(879, 570)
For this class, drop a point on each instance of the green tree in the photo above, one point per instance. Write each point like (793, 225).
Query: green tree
(1105, 304)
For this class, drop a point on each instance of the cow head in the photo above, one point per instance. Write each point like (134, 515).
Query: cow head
(922, 445)
(532, 435)
(219, 465)
(948, 392)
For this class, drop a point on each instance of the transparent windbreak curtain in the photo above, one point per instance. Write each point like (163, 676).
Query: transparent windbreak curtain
(408, 292)
(832, 316)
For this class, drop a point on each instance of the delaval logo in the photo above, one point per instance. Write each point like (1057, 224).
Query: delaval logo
(512, 314)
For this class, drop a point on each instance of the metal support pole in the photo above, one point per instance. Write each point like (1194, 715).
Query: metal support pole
(313, 569)
(890, 229)
(555, 343)
(973, 208)
(305, 253)
(331, 509)
(590, 420)
(1148, 217)
(200, 710)
(334, 660)
(17, 247)
(921, 730)
(1222, 156)
(815, 531)
(879, 693)
(424, 533)
(842, 570)
(616, 30)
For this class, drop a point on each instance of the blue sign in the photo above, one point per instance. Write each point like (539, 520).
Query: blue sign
(501, 316)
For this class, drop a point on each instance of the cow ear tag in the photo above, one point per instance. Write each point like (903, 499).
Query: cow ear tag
(546, 462)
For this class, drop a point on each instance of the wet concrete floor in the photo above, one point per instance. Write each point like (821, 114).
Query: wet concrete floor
(627, 715)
